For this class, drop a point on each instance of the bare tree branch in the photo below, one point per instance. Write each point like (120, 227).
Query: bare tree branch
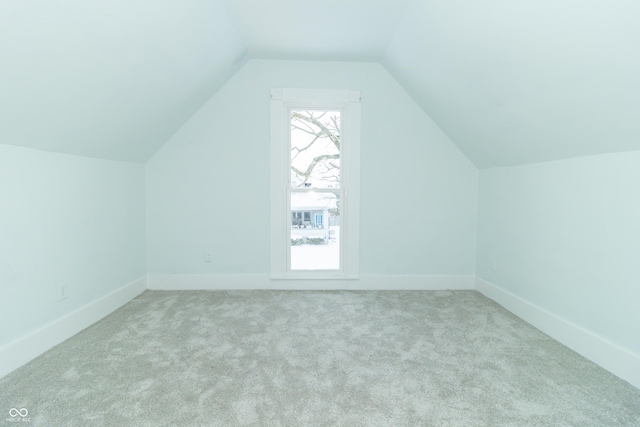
(311, 131)
(320, 126)
(334, 137)
(307, 174)
(300, 150)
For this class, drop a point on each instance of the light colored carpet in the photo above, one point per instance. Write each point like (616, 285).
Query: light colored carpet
(336, 358)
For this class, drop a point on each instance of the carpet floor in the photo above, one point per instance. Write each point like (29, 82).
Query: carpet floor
(315, 358)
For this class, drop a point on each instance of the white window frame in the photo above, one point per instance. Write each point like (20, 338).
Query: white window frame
(348, 102)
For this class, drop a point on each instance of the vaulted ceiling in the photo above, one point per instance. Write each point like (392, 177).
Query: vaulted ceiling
(510, 82)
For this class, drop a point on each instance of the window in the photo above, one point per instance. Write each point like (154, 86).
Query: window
(315, 150)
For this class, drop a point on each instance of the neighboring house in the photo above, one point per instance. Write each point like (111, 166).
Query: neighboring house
(308, 218)
(312, 214)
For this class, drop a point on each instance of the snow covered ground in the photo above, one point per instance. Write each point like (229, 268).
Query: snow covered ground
(317, 257)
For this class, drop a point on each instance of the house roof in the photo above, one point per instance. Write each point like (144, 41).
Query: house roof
(508, 82)
(312, 201)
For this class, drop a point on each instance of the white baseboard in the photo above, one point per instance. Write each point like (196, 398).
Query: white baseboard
(19, 352)
(414, 282)
(263, 281)
(615, 359)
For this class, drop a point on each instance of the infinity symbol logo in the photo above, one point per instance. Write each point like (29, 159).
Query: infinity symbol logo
(13, 412)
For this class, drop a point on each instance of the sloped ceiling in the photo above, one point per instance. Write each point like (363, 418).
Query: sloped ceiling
(110, 79)
(510, 82)
(514, 82)
(327, 30)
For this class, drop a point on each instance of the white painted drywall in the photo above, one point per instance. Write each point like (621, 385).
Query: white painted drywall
(359, 30)
(208, 187)
(517, 82)
(110, 79)
(565, 236)
(66, 219)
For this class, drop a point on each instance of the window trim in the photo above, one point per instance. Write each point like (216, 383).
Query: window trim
(282, 101)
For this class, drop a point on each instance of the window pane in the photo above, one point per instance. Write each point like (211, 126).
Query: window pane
(315, 149)
(315, 231)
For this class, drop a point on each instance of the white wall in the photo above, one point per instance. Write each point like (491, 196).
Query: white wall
(565, 236)
(208, 187)
(64, 218)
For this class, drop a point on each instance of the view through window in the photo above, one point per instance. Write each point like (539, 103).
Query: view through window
(315, 189)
